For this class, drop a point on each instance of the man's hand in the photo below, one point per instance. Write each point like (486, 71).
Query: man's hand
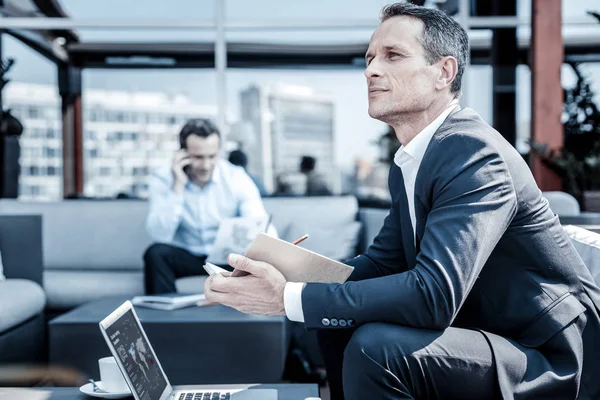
(261, 292)
(180, 178)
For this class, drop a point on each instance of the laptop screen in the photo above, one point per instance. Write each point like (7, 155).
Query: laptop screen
(139, 361)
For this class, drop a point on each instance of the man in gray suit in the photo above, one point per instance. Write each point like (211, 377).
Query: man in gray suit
(472, 289)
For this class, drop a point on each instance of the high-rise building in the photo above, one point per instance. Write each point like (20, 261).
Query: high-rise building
(280, 124)
(126, 136)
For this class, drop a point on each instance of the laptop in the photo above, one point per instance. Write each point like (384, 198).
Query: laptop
(135, 356)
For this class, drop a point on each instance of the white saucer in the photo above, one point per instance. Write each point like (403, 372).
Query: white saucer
(88, 389)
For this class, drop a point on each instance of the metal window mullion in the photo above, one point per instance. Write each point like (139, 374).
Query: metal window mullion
(464, 12)
(221, 66)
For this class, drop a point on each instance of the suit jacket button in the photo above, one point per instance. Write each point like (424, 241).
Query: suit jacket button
(334, 322)
(342, 322)
(325, 322)
(351, 322)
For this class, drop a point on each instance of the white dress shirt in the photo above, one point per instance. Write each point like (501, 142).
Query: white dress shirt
(408, 158)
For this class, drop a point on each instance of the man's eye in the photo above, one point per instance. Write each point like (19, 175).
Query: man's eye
(393, 55)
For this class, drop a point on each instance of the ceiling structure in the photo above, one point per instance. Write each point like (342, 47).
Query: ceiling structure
(66, 47)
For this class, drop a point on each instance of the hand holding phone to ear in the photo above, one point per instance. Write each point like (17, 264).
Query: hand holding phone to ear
(180, 177)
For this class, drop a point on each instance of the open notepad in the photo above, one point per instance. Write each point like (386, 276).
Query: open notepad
(297, 264)
(169, 301)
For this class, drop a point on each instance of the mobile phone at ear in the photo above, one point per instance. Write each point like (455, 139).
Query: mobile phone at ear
(212, 269)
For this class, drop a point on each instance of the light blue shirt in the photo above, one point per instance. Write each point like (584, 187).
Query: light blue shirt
(191, 220)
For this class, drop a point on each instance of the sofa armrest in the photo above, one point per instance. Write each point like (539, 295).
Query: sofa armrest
(21, 247)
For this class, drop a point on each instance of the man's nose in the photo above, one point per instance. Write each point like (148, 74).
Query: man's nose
(372, 69)
(203, 164)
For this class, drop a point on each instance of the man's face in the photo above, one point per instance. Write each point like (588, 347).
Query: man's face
(204, 154)
(399, 79)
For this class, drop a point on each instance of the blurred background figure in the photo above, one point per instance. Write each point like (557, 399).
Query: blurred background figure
(290, 184)
(239, 158)
(315, 183)
(187, 204)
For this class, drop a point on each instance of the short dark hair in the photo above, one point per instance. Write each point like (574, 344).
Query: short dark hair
(238, 157)
(307, 163)
(197, 126)
(442, 35)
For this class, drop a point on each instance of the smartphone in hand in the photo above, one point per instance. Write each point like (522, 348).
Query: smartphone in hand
(212, 269)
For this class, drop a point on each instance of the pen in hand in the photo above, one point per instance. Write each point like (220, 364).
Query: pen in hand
(299, 240)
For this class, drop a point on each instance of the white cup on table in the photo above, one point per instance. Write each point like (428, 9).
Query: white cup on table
(111, 376)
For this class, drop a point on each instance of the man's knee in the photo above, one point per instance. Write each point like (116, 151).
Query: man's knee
(156, 251)
(364, 348)
(373, 345)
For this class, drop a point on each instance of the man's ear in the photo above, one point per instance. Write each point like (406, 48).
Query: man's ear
(448, 71)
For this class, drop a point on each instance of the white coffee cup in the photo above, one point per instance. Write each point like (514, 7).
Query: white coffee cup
(111, 376)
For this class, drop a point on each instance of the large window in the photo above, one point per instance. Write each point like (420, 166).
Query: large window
(131, 121)
(32, 97)
(277, 115)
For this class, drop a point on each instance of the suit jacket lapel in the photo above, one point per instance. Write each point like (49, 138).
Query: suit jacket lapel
(408, 236)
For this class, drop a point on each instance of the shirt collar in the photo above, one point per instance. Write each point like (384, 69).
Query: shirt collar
(417, 147)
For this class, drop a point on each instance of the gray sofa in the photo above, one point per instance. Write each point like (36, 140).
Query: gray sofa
(94, 248)
(22, 299)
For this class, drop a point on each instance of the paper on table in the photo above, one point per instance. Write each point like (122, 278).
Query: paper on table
(297, 264)
(169, 302)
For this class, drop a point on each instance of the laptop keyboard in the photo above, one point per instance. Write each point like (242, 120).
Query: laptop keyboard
(205, 396)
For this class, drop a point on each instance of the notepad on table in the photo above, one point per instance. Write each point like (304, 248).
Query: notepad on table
(169, 302)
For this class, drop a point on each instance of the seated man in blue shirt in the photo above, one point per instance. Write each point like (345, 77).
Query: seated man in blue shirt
(187, 204)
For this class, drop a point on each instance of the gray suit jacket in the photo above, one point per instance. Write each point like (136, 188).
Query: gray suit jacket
(490, 255)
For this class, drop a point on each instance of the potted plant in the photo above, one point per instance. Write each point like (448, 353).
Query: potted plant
(578, 161)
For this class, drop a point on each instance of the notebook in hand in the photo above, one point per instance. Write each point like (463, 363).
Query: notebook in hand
(297, 264)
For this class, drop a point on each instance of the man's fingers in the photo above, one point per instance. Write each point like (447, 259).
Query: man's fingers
(245, 264)
(213, 296)
(225, 284)
(184, 162)
(180, 155)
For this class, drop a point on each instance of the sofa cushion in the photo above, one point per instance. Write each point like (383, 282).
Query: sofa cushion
(191, 284)
(319, 217)
(587, 244)
(89, 234)
(339, 243)
(67, 288)
(372, 220)
(21, 300)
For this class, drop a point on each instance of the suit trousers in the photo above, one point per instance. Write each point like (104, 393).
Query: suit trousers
(385, 361)
(163, 264)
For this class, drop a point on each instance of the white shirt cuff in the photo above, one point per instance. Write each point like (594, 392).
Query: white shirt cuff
(292, 301)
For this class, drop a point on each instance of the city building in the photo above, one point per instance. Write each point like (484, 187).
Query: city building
(281, 123)
(126, 136)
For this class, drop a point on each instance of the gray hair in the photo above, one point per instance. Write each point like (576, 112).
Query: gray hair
(442, 36)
